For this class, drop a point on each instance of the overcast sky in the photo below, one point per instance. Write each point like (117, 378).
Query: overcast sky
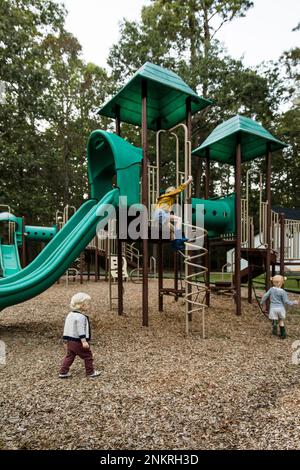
(264, 34)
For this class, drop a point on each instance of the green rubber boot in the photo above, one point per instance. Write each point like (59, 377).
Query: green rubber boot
(282, 332)
(275, 327)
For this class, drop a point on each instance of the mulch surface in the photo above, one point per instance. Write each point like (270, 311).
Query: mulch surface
(159, 389)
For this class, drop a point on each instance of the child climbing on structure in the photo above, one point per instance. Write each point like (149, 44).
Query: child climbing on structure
(278, 298)
(163, 214)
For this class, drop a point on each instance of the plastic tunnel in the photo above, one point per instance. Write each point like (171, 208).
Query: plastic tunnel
(108, 156)
(219, 214)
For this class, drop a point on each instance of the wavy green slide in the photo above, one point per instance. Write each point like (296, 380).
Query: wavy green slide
(109, 156)
(54, 260)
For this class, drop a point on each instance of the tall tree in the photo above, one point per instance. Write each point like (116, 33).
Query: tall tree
(183, 36)
(50, 96)
(287, 170)
(24, 25)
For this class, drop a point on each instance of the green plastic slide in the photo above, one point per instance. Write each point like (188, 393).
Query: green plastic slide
(55, 259)
(9, 259)
(50, 248)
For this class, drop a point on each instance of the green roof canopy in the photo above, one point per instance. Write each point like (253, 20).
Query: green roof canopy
(167, 94)
(222, 141)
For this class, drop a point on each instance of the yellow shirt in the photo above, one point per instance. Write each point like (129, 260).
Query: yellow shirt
(166, 201)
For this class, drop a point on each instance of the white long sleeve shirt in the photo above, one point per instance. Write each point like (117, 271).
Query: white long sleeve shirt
(77, 327)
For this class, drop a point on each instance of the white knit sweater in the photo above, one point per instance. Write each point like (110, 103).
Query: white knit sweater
(77, 327)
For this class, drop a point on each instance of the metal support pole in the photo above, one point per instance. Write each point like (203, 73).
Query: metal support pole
(120, 272)
(119, 243)
(89, 266)
(207, 258)
(118, 120)
(269, 201)
(273, 269)
(23, 243)
(160, 275)
(237, 273)
(81, 268)
(106, 260)
(282, 242)
(145, 200)
(175, 260)
(188, 200)
(160, 252)
(249, 283)
(96, 259)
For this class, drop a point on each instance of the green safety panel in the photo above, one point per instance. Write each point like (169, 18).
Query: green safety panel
(166, 99)
(110, 156)
(218, 215)
(9, 260)
(40, 233)
(223, 140)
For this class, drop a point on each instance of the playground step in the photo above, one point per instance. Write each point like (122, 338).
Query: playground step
(257, 260)
(222, 284)
(257, 253)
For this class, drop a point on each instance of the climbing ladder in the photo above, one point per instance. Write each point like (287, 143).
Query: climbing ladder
(195, 290)
(195, 272)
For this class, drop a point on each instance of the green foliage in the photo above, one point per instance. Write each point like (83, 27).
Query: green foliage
(50, 100)
(51, 95)
(183, 36)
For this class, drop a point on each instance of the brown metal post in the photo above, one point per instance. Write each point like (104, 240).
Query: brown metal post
(106, 260)
(96, 258)
(273, 269)
(269, 201)
(207, 258)
(145, 200)
(160, 250)
(160, 275)
(282, 242)
(119, 242)
(88, 265)
(175, 261)
(23, 243)
(118, 119)
(249, 283)
(207, 173)
(81, 268)
(237, 264)
(189, 128)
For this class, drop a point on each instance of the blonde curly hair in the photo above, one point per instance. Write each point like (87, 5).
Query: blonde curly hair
(80, 301)
(278, 280)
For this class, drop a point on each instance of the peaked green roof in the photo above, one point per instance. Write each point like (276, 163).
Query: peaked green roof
(167, 94)
(222, 141)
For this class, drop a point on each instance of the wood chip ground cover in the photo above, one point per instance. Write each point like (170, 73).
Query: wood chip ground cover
(159, 389)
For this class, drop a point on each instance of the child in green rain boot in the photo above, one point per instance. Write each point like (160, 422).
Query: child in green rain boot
(278, 300)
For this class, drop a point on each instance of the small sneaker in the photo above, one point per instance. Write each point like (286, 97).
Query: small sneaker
(64, 376)
(96, 373)
(178, 244)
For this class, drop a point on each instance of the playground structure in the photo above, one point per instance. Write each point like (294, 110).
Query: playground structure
(15, 244)
(158, 100)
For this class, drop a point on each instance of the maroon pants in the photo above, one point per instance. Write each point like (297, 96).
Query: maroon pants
(74, 348)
